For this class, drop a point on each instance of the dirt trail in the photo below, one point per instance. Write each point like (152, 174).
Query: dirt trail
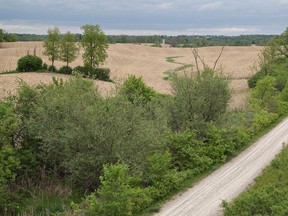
(230, 180)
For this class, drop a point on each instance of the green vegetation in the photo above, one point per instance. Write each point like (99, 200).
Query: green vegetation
(95, 43)
(126, 152)
(170, 73)
(121, 154)
(269, 195)
(6, 37)
(52, 45)
(269, 96)
(29, 63)
(65, 48)
(175, 41)
(68, 48)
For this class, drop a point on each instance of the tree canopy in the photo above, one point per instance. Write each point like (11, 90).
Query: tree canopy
(95, 44)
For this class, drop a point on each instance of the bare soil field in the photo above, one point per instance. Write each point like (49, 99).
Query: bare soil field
(141, 60)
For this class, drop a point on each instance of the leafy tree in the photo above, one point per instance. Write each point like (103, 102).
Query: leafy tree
(68, 48)
(136, 91)
(265, 94)
(198, 98)
(52, 44)
(95, 43)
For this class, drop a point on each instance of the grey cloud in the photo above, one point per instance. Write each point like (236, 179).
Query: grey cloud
(229, 17)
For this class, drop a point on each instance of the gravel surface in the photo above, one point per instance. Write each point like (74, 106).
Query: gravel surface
(230, 180)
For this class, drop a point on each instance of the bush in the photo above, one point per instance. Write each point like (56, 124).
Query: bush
(101, 74)
(188, 152)
(29, 63)
(199, 98)
(94, 73)
(136, 91)
(52, 68)
(254, 79)
(45, 66)
(65, 70)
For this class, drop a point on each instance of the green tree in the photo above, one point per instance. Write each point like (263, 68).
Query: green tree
(68, 48)
(136, 91)
(265, 94)
(52, 45)
(198, 98)
(95, 44)
(1, 37)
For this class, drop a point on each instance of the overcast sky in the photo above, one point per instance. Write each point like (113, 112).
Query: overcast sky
(147, 17)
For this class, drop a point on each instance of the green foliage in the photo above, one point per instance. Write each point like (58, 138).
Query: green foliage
(9, 123)
(254, 79)
(117, 194)
(199, 98)
(79, 131)
(52, 68)
(265, 94)
(6, 37)
(95, 43)
(8, 166)
(52, 45)
(277, 49)
(188, 152)
(269, 196)
(136, 91)
(29, 63)
(114, 191)
(68, 49)
(96, 73)
(273, 62)
(101, 74)
(65, 70)
(45, 66)
(160, 175)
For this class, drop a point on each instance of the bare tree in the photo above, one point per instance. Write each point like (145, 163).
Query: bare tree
(195, 53)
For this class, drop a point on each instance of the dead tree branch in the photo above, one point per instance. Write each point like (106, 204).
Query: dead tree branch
(220, 54)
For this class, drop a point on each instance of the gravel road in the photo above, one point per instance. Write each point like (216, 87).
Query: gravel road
(230, 180)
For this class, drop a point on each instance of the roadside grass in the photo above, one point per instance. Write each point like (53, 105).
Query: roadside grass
(48, 199)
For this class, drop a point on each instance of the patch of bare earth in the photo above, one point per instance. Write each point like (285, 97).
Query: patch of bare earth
(141, 60)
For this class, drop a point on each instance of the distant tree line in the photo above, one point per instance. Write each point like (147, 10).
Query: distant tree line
(6, 37)
(174, 41)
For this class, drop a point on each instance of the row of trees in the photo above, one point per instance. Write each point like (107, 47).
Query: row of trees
(65, 47)
(6, 37)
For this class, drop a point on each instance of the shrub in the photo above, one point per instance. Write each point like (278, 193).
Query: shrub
(80, 69)
(101, 74)
(8, 166)
(188, 152)
(65, 70)
(136, 91)
(52, 68)
(254, 79)
(29, 63)
(199, 98)
(45, 66)
(96, 73)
